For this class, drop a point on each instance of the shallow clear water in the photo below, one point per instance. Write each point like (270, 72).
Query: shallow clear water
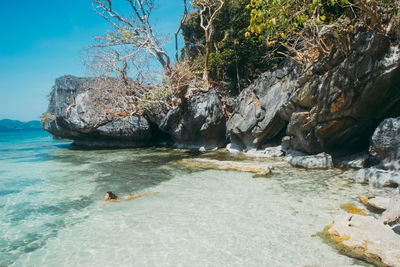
(200, 217)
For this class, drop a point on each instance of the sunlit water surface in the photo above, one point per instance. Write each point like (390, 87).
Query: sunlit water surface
(50, 216)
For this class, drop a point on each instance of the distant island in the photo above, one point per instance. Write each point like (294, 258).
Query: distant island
(9, 125)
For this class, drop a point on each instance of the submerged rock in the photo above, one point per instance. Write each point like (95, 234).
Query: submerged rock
(385, 144)
(354, 210)
(265, 173)
(377, 177)
(94, 111)
(319, 161)
(365, 238)
(259, 168)
(255, 117)
(199, 124)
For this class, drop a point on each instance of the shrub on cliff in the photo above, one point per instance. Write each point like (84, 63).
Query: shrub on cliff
(301, 25)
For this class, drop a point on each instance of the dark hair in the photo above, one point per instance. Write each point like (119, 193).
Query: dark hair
(112, 195)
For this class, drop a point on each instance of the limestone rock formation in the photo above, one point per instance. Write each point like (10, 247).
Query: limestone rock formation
(354, 161)
(385, 144)
(94, 111)
(338, 102)
(255, 118)
(365, 238)
(377, 177)
(392, 213)
(319, 161)
(380, 203)
(201, 123)
(333, 105)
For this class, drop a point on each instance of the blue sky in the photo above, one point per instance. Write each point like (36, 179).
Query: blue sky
(42, 40)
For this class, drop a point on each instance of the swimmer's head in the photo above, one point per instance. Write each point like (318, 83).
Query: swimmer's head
(110, 195)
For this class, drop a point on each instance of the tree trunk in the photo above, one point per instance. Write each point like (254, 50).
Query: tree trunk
(206, 64)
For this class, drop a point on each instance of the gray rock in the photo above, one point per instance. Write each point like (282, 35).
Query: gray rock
(338, 102)
(265, 173)
(396, 229)
(365, 238)
(267, 152)
(255, 118)
(319, 161)
(355, 161)
(377, 177)
(233, 148)
(202, 123)
(95, 111)
(385, 144)
(392, 213)
(333, 105)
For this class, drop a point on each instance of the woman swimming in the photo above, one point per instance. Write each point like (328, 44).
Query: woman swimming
(111, 197)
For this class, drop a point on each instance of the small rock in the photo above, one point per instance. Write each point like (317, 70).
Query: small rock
(233, 148)
(377, 177)
(392, 213)
(268, 152)
(365, 238)
(356, 161)
(319, 161)
(396, 229)
(380, 203)
(265, 173)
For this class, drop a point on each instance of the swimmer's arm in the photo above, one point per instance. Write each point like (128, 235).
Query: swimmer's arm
(111, 201)
(127, 198)
(139, 195)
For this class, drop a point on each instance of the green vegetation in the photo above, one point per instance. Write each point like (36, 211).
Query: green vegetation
(293, 23)
(228, 43)
(235, 59)
(281, 20)
(251, 36)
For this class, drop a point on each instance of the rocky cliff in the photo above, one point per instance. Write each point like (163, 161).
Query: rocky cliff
(201, 123)
(95, 112)
(333, 105)
(99, 112)
(255, 119)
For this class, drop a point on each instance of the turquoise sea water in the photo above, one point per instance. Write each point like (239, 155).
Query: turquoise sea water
(50, 216)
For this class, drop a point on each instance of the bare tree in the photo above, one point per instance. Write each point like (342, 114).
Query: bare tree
(209, 10)
(133, 36)
(186, 4)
